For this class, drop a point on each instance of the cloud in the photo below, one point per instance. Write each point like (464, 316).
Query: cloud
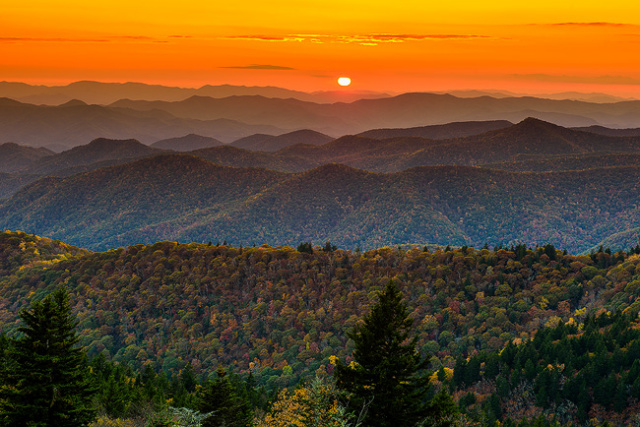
(556, 78)
(591, 24)
(50, 39)
(361, 39)
(261, 67)
(267, 38)
(133, 38)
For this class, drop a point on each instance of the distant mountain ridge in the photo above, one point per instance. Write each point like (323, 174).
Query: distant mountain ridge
(402, 111)
(184, 198)
(275, 143)
(106, 93)
(529, 137)
(189, 142)
(445, 131)
(14, 157)
(511, 147)
(231, 118)
(601, 130)
(98, 150)
(73, 125)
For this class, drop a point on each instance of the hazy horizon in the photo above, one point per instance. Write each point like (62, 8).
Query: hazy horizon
(354, 93)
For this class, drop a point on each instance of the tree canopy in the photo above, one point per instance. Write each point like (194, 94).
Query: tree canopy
(387, 374)
(47, 380)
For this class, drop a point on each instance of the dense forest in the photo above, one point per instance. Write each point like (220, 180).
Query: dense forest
(281, 314)
(183, 198)
(466, 183)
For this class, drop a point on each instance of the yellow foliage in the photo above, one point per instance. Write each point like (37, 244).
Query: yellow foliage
(105, 421)
(311, 406)
(449, 373)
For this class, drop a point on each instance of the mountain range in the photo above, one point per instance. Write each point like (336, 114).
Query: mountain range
(533, 182)
(189, 142)
(231, 118)
(184, 198)
(106, 93)
(66, 126)
(516, 146)
(406, 110)
(261, 142)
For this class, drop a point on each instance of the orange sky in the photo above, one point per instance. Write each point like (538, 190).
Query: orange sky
(534, 47)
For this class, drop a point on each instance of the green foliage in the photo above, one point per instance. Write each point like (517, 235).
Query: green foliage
(260, 310)
(185, 417)
(229, 406)
(277, 316)
(305, 247)
(48, 381)
(386, 375)
(441, 411)
(576, 371)
(188, 199)
(309, 405)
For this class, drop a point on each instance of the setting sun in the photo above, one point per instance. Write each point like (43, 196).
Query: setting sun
(344, 81)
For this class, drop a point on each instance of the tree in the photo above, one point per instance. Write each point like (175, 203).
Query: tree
(228, 407)
(315, 405)
(387, 375)
(49, 382)
(305, 247)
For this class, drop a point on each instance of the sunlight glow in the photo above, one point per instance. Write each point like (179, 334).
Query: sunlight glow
(344, 81)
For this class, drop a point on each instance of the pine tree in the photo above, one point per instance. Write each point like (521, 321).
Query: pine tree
(221, 398)
(388, 375)
(49, 379)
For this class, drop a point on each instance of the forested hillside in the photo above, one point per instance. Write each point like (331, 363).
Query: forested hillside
(573, 372)
(263, 309)
(187, 199)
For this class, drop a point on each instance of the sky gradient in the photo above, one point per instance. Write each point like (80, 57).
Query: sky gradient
(532, 47)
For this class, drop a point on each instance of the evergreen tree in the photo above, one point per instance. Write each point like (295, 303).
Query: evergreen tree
(305, 247)
(49, 380)
(387, 376)
(229, 408)
(442, 411)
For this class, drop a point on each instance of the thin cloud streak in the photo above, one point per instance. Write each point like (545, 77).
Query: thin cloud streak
(591, 24)
(361, 39)
(50, 39)
(260, 67)
(80, 40)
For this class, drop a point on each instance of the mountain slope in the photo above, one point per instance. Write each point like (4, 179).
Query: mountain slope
(565, 163)
(73, 125)
(10, 183)
(189, 142)
(261, 309)
(188, 199)
(275, 143)
(446, 131)
(103, 204)
(14, 157)
(231, 156)
(99, 150)
(530, 137)
(601, 130)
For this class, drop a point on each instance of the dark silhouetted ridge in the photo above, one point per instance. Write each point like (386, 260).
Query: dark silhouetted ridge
(189, 142)
(444, 131)
(98, 150)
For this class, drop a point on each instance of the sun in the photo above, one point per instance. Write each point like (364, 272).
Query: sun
(344, 81)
